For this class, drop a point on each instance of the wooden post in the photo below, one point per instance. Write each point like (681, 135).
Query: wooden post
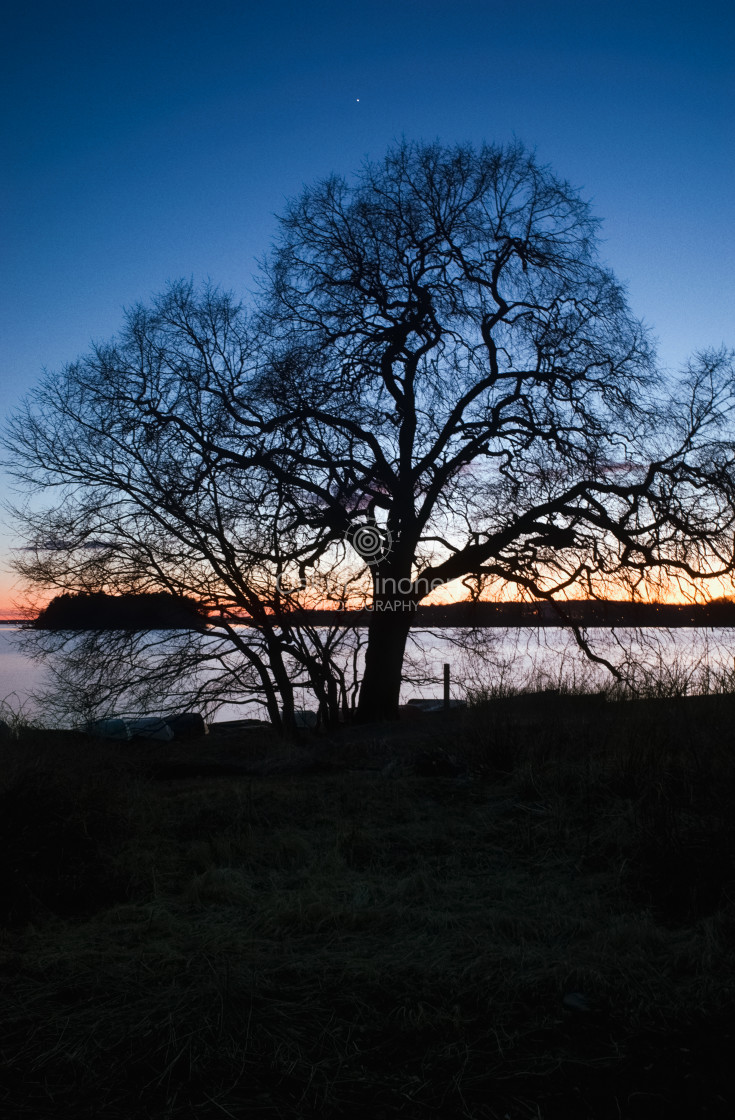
(446, 686)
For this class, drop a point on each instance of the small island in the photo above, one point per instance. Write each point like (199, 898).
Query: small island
(96, 610)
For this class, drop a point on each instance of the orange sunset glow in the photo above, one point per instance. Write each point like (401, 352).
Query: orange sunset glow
(14, 606)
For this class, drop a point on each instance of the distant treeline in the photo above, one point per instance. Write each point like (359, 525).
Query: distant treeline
(607, 613)
(581, 613)
(162, 611)
(96, 610)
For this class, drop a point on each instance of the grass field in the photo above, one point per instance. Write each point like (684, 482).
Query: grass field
(525, 910)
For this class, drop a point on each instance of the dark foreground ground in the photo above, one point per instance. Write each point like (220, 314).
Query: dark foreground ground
(522, 910)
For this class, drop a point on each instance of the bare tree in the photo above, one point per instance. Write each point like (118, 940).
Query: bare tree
(440, 371)
(160, 464)
(453, 361)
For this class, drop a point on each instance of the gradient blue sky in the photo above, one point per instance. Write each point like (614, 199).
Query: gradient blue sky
(147, 142)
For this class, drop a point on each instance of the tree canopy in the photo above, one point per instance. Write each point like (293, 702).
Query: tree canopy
(439, 380)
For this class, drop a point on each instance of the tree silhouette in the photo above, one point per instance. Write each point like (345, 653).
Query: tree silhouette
(451, 359)
(161, 467)
(440, 381)
(97, 611)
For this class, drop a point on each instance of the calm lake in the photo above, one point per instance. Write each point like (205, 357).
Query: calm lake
(686, 659)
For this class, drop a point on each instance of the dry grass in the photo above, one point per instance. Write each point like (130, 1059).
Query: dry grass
(350, 944)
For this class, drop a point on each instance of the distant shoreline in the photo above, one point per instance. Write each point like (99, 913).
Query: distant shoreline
(603, 614)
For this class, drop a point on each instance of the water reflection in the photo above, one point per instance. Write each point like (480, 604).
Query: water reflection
(58, 680)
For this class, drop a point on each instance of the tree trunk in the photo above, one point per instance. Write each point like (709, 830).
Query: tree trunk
(381, 682)
(285, 720)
